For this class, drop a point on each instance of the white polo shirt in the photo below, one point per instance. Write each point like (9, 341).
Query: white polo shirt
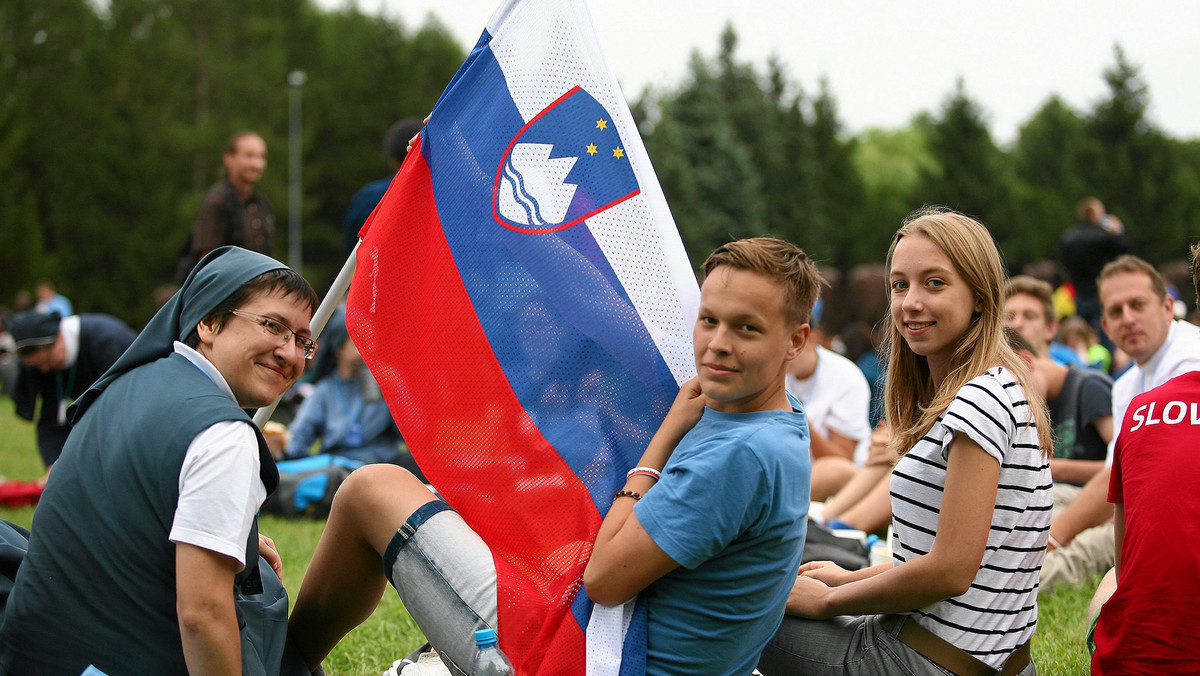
(1179, 353)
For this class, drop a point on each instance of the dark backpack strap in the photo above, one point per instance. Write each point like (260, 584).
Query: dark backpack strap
(249, 581)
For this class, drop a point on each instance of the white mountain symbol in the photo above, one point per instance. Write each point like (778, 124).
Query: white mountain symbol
(532, 190)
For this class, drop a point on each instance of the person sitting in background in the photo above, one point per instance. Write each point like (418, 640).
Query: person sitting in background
(837, 400)
(1029, 308)
(1078, 335)
(1080, 399)
(345, 409)
(864, 503)
(1139, 315)
(1080, 402)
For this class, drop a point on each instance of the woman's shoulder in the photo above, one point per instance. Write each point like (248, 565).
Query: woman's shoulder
(995, 379)
(995, 386)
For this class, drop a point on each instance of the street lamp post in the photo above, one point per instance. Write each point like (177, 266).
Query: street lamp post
(296, 80)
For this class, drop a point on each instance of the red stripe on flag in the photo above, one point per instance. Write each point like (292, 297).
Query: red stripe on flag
(412, 319)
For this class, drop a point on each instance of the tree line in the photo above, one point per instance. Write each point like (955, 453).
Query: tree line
(113, 118)
(741, 152)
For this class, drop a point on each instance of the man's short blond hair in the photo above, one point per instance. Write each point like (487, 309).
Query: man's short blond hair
(782, 261)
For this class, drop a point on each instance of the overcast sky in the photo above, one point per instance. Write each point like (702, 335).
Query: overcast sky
(887, 60)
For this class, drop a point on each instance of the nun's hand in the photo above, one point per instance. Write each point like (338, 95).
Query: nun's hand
(266, 549)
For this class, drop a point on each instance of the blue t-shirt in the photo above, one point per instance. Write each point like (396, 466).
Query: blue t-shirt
(731, 509)
(1061, 354)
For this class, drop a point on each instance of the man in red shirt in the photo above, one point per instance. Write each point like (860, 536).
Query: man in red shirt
(1151, 623)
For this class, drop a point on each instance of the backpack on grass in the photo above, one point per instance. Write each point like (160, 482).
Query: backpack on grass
(307, 486)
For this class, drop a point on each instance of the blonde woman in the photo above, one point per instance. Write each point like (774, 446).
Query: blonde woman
(971, 493)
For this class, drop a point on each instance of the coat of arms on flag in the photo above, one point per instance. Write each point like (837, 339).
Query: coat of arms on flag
(566, 165)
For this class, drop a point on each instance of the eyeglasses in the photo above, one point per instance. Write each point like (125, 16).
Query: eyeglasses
(280, 330)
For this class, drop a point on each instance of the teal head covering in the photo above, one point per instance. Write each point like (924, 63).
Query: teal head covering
(214, 279)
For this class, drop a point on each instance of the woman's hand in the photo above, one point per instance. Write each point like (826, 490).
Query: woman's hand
(827, 572)
(879, 451)
(808, 598)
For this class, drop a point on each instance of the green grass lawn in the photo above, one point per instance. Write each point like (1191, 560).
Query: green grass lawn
(1058, 648)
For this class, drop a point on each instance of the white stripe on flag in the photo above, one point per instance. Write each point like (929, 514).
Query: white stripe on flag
(606, 638)
(638, 236)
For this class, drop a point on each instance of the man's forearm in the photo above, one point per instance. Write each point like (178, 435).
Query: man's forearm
(1090, 509)
(1074, 471)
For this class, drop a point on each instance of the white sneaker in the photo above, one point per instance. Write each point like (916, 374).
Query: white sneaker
(397, 668)
(428, 664)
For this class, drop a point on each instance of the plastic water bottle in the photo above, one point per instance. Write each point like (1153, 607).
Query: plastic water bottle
(490, 661)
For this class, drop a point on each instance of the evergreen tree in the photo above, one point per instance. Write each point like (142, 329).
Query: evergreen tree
(1136, 171)
(113, 118)
(1050, 154)
(972, 175)
(840, 196)
(706, 172)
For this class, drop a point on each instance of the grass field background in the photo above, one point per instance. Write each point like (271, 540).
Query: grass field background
(1058, 647)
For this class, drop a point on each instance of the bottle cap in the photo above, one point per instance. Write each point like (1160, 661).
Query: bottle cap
(485, 637)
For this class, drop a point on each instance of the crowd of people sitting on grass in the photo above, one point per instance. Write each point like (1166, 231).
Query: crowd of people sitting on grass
(998, 441)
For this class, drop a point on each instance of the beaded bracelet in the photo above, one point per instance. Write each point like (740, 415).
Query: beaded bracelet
(644, 471)
(628, 494)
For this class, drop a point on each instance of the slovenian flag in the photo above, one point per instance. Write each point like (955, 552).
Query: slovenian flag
(524, 300)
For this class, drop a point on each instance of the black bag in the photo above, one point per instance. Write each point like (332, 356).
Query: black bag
(822, 545)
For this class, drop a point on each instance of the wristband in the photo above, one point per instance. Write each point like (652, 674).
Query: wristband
(628, 494)
(644, 471)
(1053, 543)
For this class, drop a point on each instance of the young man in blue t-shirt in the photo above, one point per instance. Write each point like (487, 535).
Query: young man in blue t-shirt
(709, 526)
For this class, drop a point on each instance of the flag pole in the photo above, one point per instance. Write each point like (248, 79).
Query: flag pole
(320, 318)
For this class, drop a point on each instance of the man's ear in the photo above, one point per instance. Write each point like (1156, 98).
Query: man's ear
(798, 339)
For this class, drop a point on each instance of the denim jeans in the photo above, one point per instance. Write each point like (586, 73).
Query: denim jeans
(845, 646)
(445, 576)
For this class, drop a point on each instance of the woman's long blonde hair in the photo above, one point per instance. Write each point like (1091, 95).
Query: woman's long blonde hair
(911, 404)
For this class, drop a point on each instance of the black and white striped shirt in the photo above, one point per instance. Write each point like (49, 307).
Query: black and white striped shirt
(999, 612)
